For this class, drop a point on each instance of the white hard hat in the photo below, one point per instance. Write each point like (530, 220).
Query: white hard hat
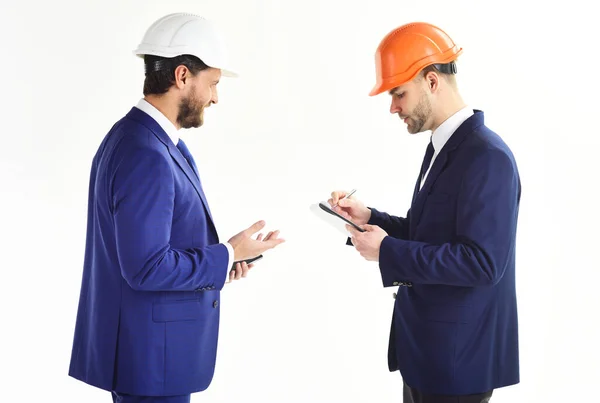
(183, 33)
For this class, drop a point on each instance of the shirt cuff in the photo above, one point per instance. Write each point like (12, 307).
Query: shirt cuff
(230, 261)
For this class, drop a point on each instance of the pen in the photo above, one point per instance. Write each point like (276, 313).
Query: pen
(348, 195)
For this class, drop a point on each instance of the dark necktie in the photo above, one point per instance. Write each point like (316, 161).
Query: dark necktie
(424, 167)
(188, 156)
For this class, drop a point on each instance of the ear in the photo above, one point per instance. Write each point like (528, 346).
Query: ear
(181, 75)
(432, 80)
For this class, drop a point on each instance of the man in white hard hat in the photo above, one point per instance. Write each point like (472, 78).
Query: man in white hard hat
(148, 317)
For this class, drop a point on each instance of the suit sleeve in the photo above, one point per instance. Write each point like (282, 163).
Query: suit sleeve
(486, 219)
(396, 227)
(143, 201)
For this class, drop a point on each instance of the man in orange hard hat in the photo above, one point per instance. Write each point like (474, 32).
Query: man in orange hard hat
(454, 334)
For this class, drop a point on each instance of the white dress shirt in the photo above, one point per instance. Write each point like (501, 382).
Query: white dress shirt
(173, 134)
(441, 135)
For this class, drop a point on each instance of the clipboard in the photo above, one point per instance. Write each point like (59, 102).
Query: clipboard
(324, 210)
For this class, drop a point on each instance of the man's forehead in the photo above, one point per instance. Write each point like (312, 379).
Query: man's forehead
(396, 90)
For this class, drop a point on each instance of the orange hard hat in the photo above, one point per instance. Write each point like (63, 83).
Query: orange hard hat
(405, 51)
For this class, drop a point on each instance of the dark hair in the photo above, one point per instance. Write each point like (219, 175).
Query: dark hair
(160, 71)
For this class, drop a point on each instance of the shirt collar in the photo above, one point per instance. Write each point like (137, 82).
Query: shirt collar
(161, 119)
(441, 135)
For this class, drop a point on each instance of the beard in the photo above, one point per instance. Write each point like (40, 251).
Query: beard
(420, 115)
(191, 111)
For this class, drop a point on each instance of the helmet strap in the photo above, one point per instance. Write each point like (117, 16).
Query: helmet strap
(448, 68)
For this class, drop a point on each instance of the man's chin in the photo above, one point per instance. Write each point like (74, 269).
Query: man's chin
(413, 130)
(192, 125)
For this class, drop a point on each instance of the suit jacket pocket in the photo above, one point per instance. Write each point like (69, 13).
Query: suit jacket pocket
(176, 311)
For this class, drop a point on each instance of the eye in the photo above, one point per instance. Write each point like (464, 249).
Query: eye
(399, 95)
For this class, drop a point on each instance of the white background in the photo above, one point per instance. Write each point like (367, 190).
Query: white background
(311, 323)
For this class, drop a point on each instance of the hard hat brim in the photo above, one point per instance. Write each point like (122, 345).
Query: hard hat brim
(229, 73)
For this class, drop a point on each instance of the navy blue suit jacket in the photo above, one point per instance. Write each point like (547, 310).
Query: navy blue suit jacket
(148, 316)
(454, 327)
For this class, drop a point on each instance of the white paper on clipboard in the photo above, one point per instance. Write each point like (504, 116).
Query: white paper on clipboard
(324, 212)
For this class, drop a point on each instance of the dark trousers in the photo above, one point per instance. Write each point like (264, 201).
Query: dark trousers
(411, 395)
(124, 398)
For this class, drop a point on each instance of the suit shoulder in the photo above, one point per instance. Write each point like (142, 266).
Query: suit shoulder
(489, 160)
(128, 137)
(486, 142)
(128, 131)
(129, 140)
(135, 134)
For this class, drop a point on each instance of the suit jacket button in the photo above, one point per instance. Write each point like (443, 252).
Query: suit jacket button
(394, 295)
(215, 304)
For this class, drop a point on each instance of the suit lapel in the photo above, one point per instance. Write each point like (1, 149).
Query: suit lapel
(436, 169)
(151, 124)
(420, 196)
(191, 174)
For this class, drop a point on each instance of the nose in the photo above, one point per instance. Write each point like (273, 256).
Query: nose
(394, 108)
(215, 97)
